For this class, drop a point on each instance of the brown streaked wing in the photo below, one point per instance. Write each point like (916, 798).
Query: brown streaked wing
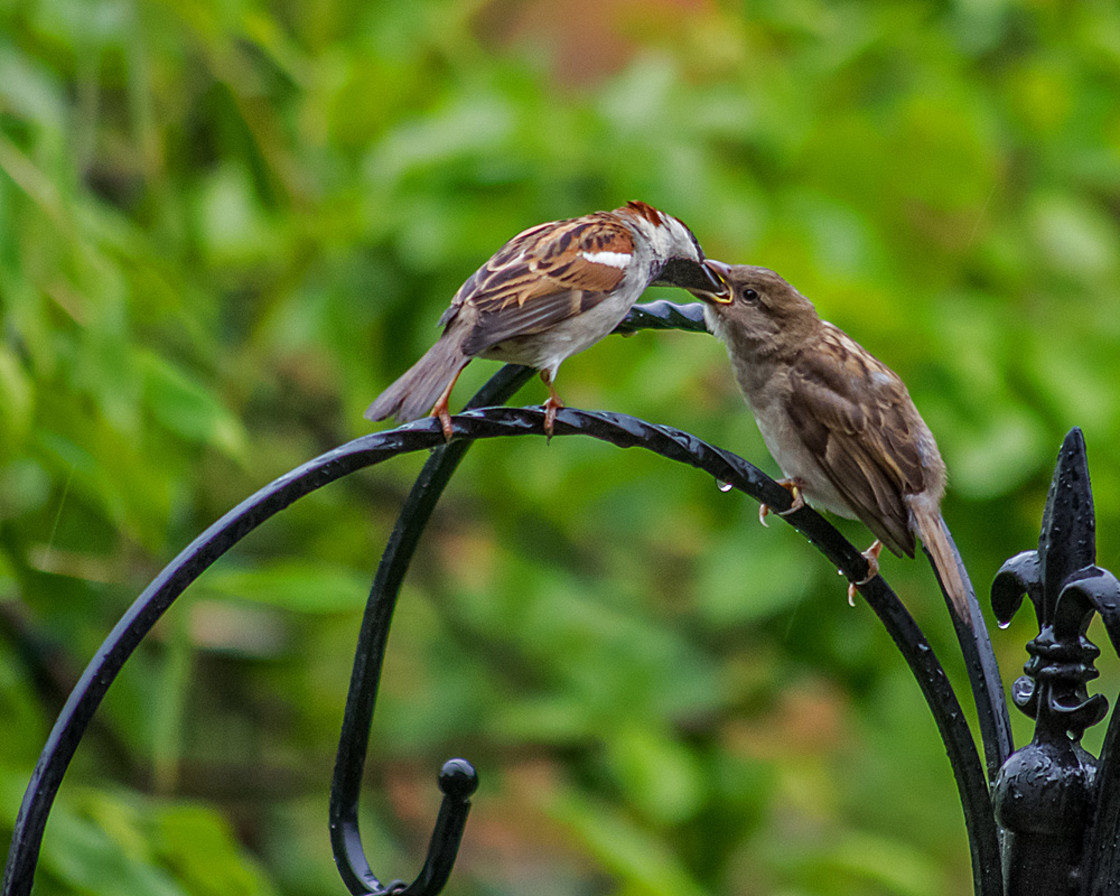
(501, 261)
(854, 415)
(544, 280)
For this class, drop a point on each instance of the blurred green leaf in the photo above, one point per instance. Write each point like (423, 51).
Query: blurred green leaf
(16, 396)
(187, 408)
(298, 585)
(634, 855)
(658, 773)
(203, 852)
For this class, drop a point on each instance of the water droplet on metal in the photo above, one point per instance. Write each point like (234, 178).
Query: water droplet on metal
(1005, 624)
(724, 487)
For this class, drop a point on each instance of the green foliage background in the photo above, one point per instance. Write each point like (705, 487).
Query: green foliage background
(224, 227)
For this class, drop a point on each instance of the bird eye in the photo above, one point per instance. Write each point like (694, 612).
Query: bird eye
(750, 295)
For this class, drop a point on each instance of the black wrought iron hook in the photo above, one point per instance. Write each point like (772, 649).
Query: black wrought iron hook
(346, 841)
(457, 779)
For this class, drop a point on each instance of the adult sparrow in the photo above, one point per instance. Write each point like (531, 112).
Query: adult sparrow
(839, 422)
(551, 291)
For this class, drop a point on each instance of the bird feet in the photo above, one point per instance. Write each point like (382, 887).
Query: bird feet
(444, 422)
(794, 487)
(551, 406)
(871, 555)
(439, 409)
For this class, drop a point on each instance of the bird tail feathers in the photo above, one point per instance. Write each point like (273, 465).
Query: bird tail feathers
(418, 388)
(946, 560)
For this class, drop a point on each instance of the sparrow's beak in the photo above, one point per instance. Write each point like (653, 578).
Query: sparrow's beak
(719, 293)
(697, 277)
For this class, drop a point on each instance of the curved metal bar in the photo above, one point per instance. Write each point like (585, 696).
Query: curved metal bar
(208, 547)
(357, 718)
(361, 698)
(900, 625)
(983, 835)
(369, 656)
(1019, 577)
(1090, 589)
(664, 316)
(618, 429)
(983, 670)
(458, 779)
(146, 610)
(972, 634)
(972, 786)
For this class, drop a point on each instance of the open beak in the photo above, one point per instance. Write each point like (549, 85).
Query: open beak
(699, 278)
(718, 293)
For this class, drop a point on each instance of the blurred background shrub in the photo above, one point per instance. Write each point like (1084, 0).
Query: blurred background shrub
(224, 227)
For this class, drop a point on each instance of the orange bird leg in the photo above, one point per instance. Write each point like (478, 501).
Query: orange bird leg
(793, 486)
(551, 406)
(871, 555)
(439, 409)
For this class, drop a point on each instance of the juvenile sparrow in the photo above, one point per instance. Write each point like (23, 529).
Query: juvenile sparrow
(551, 291)
(839, 422)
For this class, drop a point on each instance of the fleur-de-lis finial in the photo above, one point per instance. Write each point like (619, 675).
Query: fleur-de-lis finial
(1047, 796)
(1066, 587)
